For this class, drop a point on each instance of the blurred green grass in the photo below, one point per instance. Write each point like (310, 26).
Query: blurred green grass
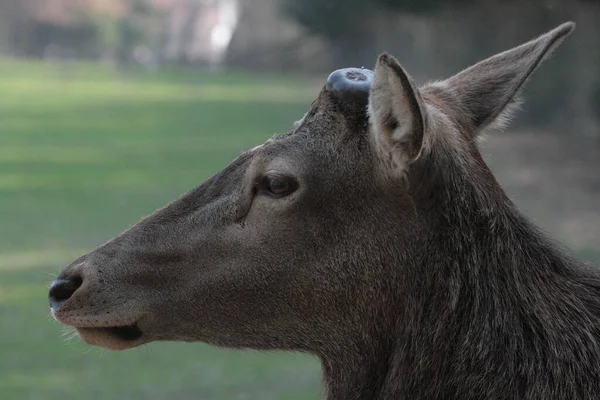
(85, 152)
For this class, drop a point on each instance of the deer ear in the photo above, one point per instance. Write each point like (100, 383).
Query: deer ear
(487, 90)
(396, 112)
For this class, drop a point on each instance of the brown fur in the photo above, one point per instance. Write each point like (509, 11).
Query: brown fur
(381, 243)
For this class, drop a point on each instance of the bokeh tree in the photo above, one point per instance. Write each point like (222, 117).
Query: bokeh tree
(347, 24)
(472, 29)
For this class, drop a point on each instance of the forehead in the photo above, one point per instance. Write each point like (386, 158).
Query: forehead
(327, 131)
(328, 120)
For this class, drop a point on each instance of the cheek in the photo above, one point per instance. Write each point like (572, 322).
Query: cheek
(268, 226)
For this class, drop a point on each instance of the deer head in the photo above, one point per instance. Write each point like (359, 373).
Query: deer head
(324, 239)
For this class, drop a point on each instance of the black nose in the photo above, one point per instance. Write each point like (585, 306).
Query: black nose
(350, 82)
(62, 289)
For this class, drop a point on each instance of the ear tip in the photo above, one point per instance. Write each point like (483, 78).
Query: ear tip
(386, 61)
(384, 58)
(564, 29)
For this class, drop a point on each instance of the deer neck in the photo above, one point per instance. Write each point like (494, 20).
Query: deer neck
(358, 375)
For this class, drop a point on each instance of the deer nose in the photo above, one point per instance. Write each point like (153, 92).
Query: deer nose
(350, 82)
(62, 289)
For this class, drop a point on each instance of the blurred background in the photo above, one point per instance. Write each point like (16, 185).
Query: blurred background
(111, 108)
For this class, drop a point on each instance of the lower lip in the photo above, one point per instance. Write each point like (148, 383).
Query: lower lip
(127, 333)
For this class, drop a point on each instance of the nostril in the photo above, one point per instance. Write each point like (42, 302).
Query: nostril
(62, 289)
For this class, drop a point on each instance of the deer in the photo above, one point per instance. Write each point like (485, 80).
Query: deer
(372, 235)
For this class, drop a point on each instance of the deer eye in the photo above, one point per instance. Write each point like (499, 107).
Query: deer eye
(277, 185)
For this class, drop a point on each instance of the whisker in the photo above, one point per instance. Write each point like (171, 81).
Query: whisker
(69, 334)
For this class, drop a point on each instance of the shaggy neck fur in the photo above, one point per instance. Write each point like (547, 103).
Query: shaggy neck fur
(488, 311)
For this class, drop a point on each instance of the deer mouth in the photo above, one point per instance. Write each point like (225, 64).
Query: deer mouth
(113, 337)
(126, 333)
